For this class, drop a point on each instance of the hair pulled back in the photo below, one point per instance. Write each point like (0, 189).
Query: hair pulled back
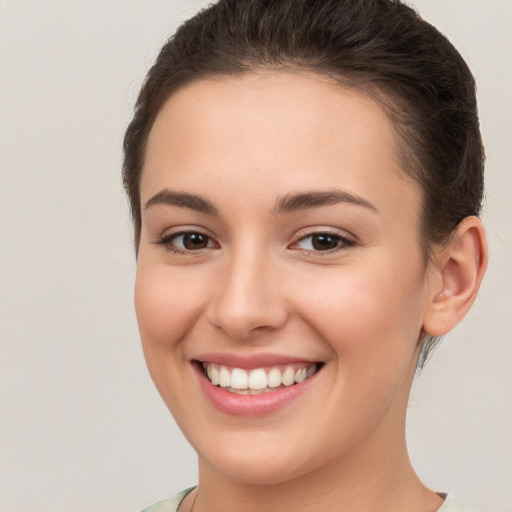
(381, 47)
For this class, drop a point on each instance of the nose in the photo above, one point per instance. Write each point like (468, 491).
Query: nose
(249, 300)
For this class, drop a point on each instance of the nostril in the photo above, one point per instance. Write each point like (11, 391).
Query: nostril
(247, 322)
(244, 329)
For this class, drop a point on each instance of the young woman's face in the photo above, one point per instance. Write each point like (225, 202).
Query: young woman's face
(279, 254)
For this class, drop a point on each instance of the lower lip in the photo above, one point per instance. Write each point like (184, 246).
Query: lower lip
(235, 404)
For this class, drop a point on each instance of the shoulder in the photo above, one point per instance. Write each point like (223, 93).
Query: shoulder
(452, 505)
(170, 505)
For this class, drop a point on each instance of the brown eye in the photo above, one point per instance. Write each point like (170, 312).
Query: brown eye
(186, 242)
(194, 241)
(323, 242)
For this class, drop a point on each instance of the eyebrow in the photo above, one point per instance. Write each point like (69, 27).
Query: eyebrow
(307, 200)
(286, 204)
(183, 200)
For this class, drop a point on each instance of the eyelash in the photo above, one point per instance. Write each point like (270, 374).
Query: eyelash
(343, 243)
(167, 242)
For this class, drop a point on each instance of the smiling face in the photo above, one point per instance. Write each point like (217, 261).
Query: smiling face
(280, 252)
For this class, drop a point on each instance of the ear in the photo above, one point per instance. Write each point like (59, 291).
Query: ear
(456, 273)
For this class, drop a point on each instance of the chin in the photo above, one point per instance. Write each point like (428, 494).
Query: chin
(261, 464)
(249, 471)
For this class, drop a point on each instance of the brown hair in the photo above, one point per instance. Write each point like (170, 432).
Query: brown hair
(381, 47)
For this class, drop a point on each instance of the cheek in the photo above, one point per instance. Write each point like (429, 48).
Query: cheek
(370, 311)
(167, 305)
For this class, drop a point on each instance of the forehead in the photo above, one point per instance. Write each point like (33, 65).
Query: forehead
(272, 129)
(304, 105)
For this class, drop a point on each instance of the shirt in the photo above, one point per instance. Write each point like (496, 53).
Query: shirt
(171, 505)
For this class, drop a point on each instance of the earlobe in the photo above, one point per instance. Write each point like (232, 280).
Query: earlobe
(459, 269)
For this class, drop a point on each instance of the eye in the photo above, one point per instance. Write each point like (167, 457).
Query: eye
(322, 242)
(186, 242)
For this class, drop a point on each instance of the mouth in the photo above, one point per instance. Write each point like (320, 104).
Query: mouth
(257, 381)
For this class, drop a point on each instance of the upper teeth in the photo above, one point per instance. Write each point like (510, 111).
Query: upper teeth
(258, 378)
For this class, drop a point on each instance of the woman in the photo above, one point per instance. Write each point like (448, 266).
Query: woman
(305, 181)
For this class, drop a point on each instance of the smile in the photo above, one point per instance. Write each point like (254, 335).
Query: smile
(257, 380)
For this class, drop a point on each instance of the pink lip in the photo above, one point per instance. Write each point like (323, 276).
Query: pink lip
(250, 405)
(252, 361)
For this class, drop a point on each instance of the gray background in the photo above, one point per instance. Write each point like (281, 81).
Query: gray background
(81, 427)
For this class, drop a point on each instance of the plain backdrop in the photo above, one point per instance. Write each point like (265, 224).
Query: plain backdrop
(81, 425)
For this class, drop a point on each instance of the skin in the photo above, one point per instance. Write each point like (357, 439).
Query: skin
(258, 287)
